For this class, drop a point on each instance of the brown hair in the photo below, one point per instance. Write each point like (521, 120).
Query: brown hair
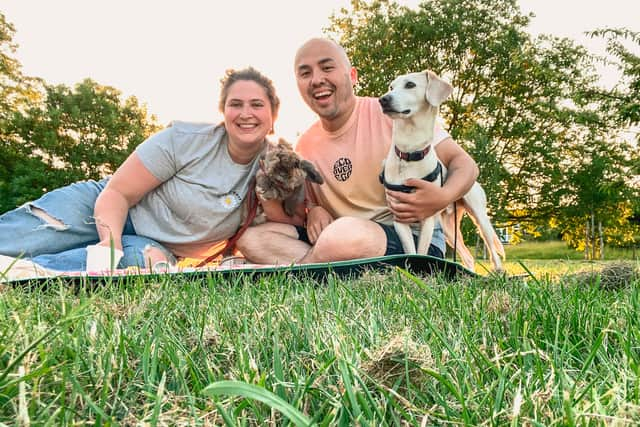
(231, 76)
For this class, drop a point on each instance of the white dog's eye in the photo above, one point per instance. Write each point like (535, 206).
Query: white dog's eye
(409, 85)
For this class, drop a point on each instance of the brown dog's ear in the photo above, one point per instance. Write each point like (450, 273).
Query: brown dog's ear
(438, 90)
(312, 174)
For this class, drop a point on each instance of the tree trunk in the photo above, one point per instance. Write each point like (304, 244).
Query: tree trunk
(586, 240)
(593, 236)
(601, 240)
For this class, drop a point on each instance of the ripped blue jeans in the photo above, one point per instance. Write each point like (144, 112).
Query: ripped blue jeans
(61, 244)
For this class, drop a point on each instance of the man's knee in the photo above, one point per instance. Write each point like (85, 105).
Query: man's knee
(348, 238)
(255, 237)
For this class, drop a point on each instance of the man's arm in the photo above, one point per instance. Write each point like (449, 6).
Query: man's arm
(274, 211)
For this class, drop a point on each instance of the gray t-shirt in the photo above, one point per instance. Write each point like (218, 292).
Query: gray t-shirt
(199, 202)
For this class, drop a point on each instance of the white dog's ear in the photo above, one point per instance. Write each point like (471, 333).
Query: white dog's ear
(438, 90)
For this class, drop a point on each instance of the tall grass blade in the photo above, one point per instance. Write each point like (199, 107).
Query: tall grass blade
(158, 404)
(50, 333)
(225, 415)
(533, 277)
(346, 382)
(250, 391)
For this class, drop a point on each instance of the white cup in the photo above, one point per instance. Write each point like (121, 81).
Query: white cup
(99, 258)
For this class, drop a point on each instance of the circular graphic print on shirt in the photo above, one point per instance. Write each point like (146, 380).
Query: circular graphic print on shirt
(230, 201)
(342, 169)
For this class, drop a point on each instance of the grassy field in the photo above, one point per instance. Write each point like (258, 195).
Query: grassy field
(552, 258)
(561, 347)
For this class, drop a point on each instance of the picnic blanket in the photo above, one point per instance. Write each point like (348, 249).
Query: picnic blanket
(23, 271)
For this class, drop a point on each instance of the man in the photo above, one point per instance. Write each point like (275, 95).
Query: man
(349, 216)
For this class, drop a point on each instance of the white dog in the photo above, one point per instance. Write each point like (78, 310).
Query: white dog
(412, 102)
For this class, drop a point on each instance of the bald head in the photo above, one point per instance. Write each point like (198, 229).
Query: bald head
(326, 47)
(325, 80)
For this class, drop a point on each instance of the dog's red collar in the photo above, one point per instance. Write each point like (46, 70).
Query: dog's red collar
(412, 156)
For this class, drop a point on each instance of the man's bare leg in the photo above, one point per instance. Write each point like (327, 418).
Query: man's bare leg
(345, 238)
(272, 243)
(348, 238)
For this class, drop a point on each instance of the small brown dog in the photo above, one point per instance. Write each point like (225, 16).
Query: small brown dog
(282, 176)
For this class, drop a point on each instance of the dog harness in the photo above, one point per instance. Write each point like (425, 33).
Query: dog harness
(412, 156)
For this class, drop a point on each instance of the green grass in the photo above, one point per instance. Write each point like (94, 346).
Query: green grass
(558, 250)
(552, 257)
(384, 349)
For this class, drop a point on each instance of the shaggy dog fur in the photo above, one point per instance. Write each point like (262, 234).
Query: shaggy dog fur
(282, 176)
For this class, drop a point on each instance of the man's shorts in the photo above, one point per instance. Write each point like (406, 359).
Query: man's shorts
(394, 245)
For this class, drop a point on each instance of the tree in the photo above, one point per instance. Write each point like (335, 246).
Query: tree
(597, 202)
(17, 92)
(84, 133)
(10, 72)
(623, 100)
(51, 136)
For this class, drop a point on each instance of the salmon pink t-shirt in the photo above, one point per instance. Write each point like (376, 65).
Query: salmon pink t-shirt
(350, 161)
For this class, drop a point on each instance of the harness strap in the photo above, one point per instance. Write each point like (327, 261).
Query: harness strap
(405, 188)
(252, 208)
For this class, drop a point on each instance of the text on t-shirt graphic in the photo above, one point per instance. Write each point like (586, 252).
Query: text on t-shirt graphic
(342, 169)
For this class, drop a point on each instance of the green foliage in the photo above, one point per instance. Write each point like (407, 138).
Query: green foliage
(10, 73)
(626, 96)
(51, 136)
(72, 135)
(527, 109)
(16, 93)
(597, 194)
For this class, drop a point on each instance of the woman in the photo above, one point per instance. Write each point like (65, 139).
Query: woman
(180, 192)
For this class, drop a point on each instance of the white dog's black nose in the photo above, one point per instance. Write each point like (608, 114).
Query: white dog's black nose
(385, 101)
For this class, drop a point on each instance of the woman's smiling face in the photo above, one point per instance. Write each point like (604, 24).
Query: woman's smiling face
(248, 116)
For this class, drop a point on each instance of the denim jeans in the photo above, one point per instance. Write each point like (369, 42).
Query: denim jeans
(62, 246)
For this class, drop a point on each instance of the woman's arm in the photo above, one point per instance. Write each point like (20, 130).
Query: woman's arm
(131, 181)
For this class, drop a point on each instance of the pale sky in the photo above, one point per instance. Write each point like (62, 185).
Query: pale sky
(172, 54)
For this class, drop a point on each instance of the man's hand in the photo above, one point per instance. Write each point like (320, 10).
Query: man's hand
(317, 219)
(427, 199)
